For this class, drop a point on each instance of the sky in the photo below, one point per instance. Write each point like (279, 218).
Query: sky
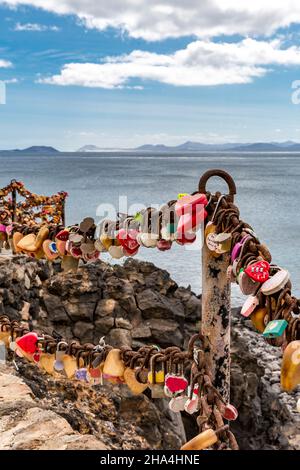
(122, 73)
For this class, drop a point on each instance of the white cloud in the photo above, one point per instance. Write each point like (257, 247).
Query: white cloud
(4, 64)
(34, 27)
(201, 63)
(10, 81)
(158, 19)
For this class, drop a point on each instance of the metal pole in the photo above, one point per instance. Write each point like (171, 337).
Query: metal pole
(216, 303)
(63, 213)
(14, 202)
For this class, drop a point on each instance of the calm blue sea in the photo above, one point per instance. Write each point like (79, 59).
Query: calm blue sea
(268, 195)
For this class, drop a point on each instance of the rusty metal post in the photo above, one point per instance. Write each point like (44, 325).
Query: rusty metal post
(63, 213)
(216, 303)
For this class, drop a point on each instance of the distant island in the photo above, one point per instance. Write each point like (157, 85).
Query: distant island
(33, 150)
(186, 147)
(287, 146)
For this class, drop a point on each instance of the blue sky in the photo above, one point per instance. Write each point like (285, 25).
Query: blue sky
(114, 76)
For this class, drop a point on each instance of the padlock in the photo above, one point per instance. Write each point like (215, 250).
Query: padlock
(70, 365)
(46, 362)
(175, 382)
(116, 252)
(259, 318)
(49, 254)
(275, 283)
(259, 271)
(192, 204)
(177, 404)
(164, 245)
(275, 328)
(290, 368)
(127, 238)
(191, 405)
(203, 440)
(250, 305)
(59, 355)
(27, 345)
(82, 375)
(156, 378)
(224, 242)
(132, 383)
(5, 334)
(113, 365)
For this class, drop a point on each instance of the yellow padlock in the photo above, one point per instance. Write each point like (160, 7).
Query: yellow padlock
(290, 368)
(134, 385)
(259, 318)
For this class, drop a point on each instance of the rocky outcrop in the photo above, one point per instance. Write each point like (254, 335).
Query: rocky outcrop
(28, 425)
(138, 304)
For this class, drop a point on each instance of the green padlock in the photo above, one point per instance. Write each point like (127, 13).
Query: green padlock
(171, 228)
(275, 328)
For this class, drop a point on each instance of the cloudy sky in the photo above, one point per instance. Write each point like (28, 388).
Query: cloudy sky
(120, 73)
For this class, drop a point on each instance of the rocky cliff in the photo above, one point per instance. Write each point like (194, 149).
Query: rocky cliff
(132, 305)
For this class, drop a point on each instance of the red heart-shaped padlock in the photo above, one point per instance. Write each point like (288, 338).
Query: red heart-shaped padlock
(127, 239)
(259, 272)
(28, 343)
(230, 413)
(95, 373)
(176, 383)
(75, 252)
(63, 235)
(164, 245)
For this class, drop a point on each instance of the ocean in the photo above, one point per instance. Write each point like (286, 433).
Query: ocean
(268, 195)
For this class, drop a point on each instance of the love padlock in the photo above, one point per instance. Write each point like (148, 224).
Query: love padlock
(28, 343)
(230, 412)
(128, 240)
(177, 404)
(175, 384)
(258, 272)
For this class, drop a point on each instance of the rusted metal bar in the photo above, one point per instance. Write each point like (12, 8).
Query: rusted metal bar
(14, 202)
(216, 303)
(63, 213)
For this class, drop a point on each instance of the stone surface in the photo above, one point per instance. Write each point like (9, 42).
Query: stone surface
(26, 425)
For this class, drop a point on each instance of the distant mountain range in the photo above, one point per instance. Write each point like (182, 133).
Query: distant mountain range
(288, 146)
(33, 150)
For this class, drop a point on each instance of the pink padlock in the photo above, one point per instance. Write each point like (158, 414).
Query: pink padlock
(237, 247)
(249, 306)
(191, 204)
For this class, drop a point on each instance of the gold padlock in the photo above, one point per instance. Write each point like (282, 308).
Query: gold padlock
(204, 440)
(259, 318)
(113, 364)
(132, 383)
(290, 368)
